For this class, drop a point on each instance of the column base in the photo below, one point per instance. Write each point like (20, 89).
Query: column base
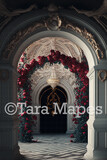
(70, 132)
(96, 154)
(7, 154)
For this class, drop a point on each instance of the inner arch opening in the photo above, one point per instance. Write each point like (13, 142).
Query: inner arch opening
(81, 43)
(53, 123)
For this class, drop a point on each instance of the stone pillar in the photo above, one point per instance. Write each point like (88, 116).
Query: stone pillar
(70, 124)
(9, 149)
(97, 123)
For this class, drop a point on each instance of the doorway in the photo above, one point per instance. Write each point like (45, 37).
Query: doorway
(53, 123)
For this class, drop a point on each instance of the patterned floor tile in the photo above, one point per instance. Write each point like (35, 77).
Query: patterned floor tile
(53, 147)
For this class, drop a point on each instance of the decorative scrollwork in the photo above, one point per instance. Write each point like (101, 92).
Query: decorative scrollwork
(44, 72)
(89, 37)
(102, 77)
(18, 37)
(54, 22)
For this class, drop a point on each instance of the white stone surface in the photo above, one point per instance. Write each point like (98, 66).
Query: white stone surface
(43, 46)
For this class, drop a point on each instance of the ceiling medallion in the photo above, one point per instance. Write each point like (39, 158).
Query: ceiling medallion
(53, 81)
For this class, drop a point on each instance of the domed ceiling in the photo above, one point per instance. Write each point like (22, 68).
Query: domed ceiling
(43, 46)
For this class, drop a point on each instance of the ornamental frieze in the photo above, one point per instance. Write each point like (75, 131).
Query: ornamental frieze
(18, 37)
(90, 38)
(55, 23)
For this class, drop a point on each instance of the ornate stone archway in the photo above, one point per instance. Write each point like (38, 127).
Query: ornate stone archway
(29, 29)
(71, 98)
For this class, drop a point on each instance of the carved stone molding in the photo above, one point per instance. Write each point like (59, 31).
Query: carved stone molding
(43, 46)
(59, 23)
(90, 38)
(53, 23)
(102, 75)
(18, 37)
(45, 72)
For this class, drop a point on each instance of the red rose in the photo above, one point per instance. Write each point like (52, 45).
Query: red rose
(24, 97)
(57, 53)
(69, 64)
(29, 131)
(77, 97)
(21, 80)
(41, 60)
(21, 59)
(24, 72)
(64, 62)
(19, 71)
(19, 99)
(32, 61)
(71, 70)
(27, 66)
(62, 57)
(74, 119)
(71, 136)
(82, 102)
(85, 104)
(76, 122)
(50, 59)
(21, 83)
(25, 93)
(56, 56)
(52, 52)
(73, 60)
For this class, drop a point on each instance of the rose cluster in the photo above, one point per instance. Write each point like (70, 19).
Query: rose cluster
(24, 84)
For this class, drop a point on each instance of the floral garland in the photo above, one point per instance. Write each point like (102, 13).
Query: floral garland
(81, 99)
(24, 85)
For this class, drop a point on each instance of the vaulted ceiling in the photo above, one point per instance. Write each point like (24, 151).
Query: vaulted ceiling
(43, 46)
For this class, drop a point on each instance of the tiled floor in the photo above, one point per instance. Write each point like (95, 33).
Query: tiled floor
(53, 147)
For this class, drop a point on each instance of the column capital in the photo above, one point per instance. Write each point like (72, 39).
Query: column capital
(102, 65)
(102, 70)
